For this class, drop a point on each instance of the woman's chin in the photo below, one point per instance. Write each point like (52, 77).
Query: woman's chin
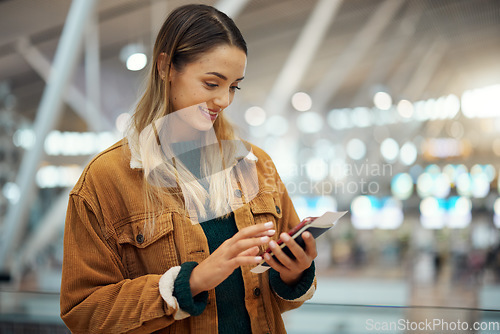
(206, 127)
(203, 125)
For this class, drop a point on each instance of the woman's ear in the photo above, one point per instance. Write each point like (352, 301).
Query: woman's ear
(162, 64)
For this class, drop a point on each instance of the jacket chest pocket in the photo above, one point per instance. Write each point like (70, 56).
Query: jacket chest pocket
(265, 207)
(145, 253)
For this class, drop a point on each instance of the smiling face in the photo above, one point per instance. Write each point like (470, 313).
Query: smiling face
(203, 88)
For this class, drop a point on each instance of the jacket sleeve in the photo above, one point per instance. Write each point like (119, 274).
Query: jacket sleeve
(292, 298)
(301, 291)
(96, 296)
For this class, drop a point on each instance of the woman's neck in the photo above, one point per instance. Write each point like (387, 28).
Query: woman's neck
(181, 131)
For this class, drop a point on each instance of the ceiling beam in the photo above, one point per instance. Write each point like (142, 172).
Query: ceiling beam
(301, 55)
(93, 75)
(52, 223)
(85, 108)
(48, 114)
(389, 55)
(355, 51)
(423, 73)
(400, 77)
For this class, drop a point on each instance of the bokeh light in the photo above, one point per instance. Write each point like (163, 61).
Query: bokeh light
(402, 186)
(324, 148)
(496, 210)
(496, 207)
(441, 186)
(136, 61)
(432, 214)
(339, 119)
(405, 109)
(480, 185)
(391, 215)
(451, 106)
(408, 154)
(12, 192)
(382, 100)
(361, 117)
(425, 185)
(24, 138)
(316, 169)
(362, 212)
(301, 101)
(459, 215)
(255, 116)
(276, 125)
(464, 185)
(310, 122)
(389, 149)
(356, 149)
(482, 102)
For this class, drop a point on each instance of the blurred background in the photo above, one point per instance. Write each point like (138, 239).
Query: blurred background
(389, 109)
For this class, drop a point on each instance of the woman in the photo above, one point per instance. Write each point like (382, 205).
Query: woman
(163, 227)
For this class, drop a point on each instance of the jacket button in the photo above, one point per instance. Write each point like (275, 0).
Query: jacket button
(139, 238)
(237, 193)
(278, 210)
(256, 292)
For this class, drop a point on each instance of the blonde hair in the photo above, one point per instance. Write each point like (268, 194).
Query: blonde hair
(187, 33)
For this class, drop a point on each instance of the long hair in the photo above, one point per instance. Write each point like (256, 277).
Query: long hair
(187, 33)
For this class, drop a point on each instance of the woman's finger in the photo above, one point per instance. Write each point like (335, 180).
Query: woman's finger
(310, 242)
(253, 231)
(269, 233)
(285, 260)
(245, 260)
(243, 245)
(273, 263)
(295, 248)
(250, 252)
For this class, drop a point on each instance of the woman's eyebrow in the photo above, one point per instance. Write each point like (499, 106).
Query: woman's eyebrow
(223, 77)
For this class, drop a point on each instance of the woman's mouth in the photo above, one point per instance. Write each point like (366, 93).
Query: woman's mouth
(208, 113)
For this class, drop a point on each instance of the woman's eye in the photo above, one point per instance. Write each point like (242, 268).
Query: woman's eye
(211, 85)
(234, 88)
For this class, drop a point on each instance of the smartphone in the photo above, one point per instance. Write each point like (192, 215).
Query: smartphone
(296, 234)
(314, 225)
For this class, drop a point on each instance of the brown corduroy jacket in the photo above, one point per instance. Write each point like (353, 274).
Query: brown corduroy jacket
(111, 268)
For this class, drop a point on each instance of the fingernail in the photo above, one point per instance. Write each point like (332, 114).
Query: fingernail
(306, 234)
(271, 232)
(267, 257)
(272, 244)
(258, 258)
(269, 224)
(264, 239)
(285, 237)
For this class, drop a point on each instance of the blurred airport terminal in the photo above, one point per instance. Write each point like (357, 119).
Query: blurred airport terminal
(389, 109)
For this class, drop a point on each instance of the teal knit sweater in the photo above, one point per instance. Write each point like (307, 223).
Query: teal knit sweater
(230, 294)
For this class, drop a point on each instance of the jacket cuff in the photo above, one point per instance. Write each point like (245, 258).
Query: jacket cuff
(301, 291)
(182, 291)
(166, 287)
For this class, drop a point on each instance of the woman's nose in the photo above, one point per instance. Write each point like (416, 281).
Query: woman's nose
(223, 100)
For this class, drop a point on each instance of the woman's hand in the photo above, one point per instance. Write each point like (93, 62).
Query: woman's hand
(290, 270)
(241, 249)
